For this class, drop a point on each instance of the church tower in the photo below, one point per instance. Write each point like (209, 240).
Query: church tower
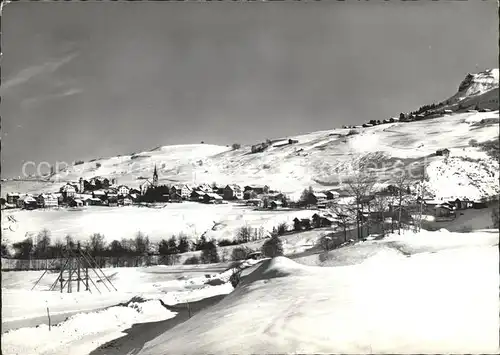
(155, 177)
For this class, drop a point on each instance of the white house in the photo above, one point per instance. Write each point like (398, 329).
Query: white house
(68, 190)
(233, 191)
(123, 190)
(183, 190)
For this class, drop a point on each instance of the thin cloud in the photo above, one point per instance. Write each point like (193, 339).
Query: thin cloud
(28, 73)
(39, 99)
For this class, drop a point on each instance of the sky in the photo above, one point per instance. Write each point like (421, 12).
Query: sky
(83, 80)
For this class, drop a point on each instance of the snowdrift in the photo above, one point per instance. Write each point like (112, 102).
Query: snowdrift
(439, 301)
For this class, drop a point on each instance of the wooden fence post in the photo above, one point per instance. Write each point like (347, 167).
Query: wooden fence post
(48, 315)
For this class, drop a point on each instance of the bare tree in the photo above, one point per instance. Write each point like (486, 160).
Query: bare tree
(401, 182)
(345, 216)
(380, 205)
(361, 187)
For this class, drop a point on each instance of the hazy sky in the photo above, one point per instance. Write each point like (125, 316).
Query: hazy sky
(83, 80)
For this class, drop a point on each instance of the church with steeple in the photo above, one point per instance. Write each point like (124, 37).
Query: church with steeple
(155, 177)
(149, 183)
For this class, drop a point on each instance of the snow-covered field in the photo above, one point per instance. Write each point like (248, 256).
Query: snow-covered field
(443, 298)
(95, 319)
(432, 292)
(190, 218)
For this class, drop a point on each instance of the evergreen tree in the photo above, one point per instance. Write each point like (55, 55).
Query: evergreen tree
(209, 254)
(183, 244)
(273, 247)
(172, 246)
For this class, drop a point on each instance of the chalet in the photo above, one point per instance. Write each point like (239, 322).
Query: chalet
(134, 191)
(123, 190)
(135, 197)
(27, 202)
(197, 196)
(183, 190)
(83, 197)
(175, 197)
(322, 220)
(68, 191)
(331, 195)
(317, 197)
(479, 205)
(257, 202)
(75, 203)
(47, 200)
(292, 141)
(386, 121)
(92, 201)
(259, 190)
(443, 210)
(365, 125)
(125, 201)
(322, 204)
(278, 196)
(112, 200)
(257, 148)
(144, 186)
(12, 198)
(448, 111)
(211, 197)
(275, 205)
(99, 194)
(443, 152)
(299, 224)
(233, 192)
(205, 188)
(419, 117)
(461, 204)
(429, 202)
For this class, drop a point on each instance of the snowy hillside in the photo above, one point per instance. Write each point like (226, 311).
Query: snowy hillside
(430, 302)
(478, 88)
(324, 159)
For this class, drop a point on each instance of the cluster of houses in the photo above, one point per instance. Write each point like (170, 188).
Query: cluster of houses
(95, 192)
(448, 208)
(410, 117)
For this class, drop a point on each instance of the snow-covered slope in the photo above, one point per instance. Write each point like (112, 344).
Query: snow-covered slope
(480, 88)
(324, 159)
(431, 302)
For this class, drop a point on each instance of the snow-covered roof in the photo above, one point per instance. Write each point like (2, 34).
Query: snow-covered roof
(214, 196)
(319, 195)
(234, 187)
(27, 199)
